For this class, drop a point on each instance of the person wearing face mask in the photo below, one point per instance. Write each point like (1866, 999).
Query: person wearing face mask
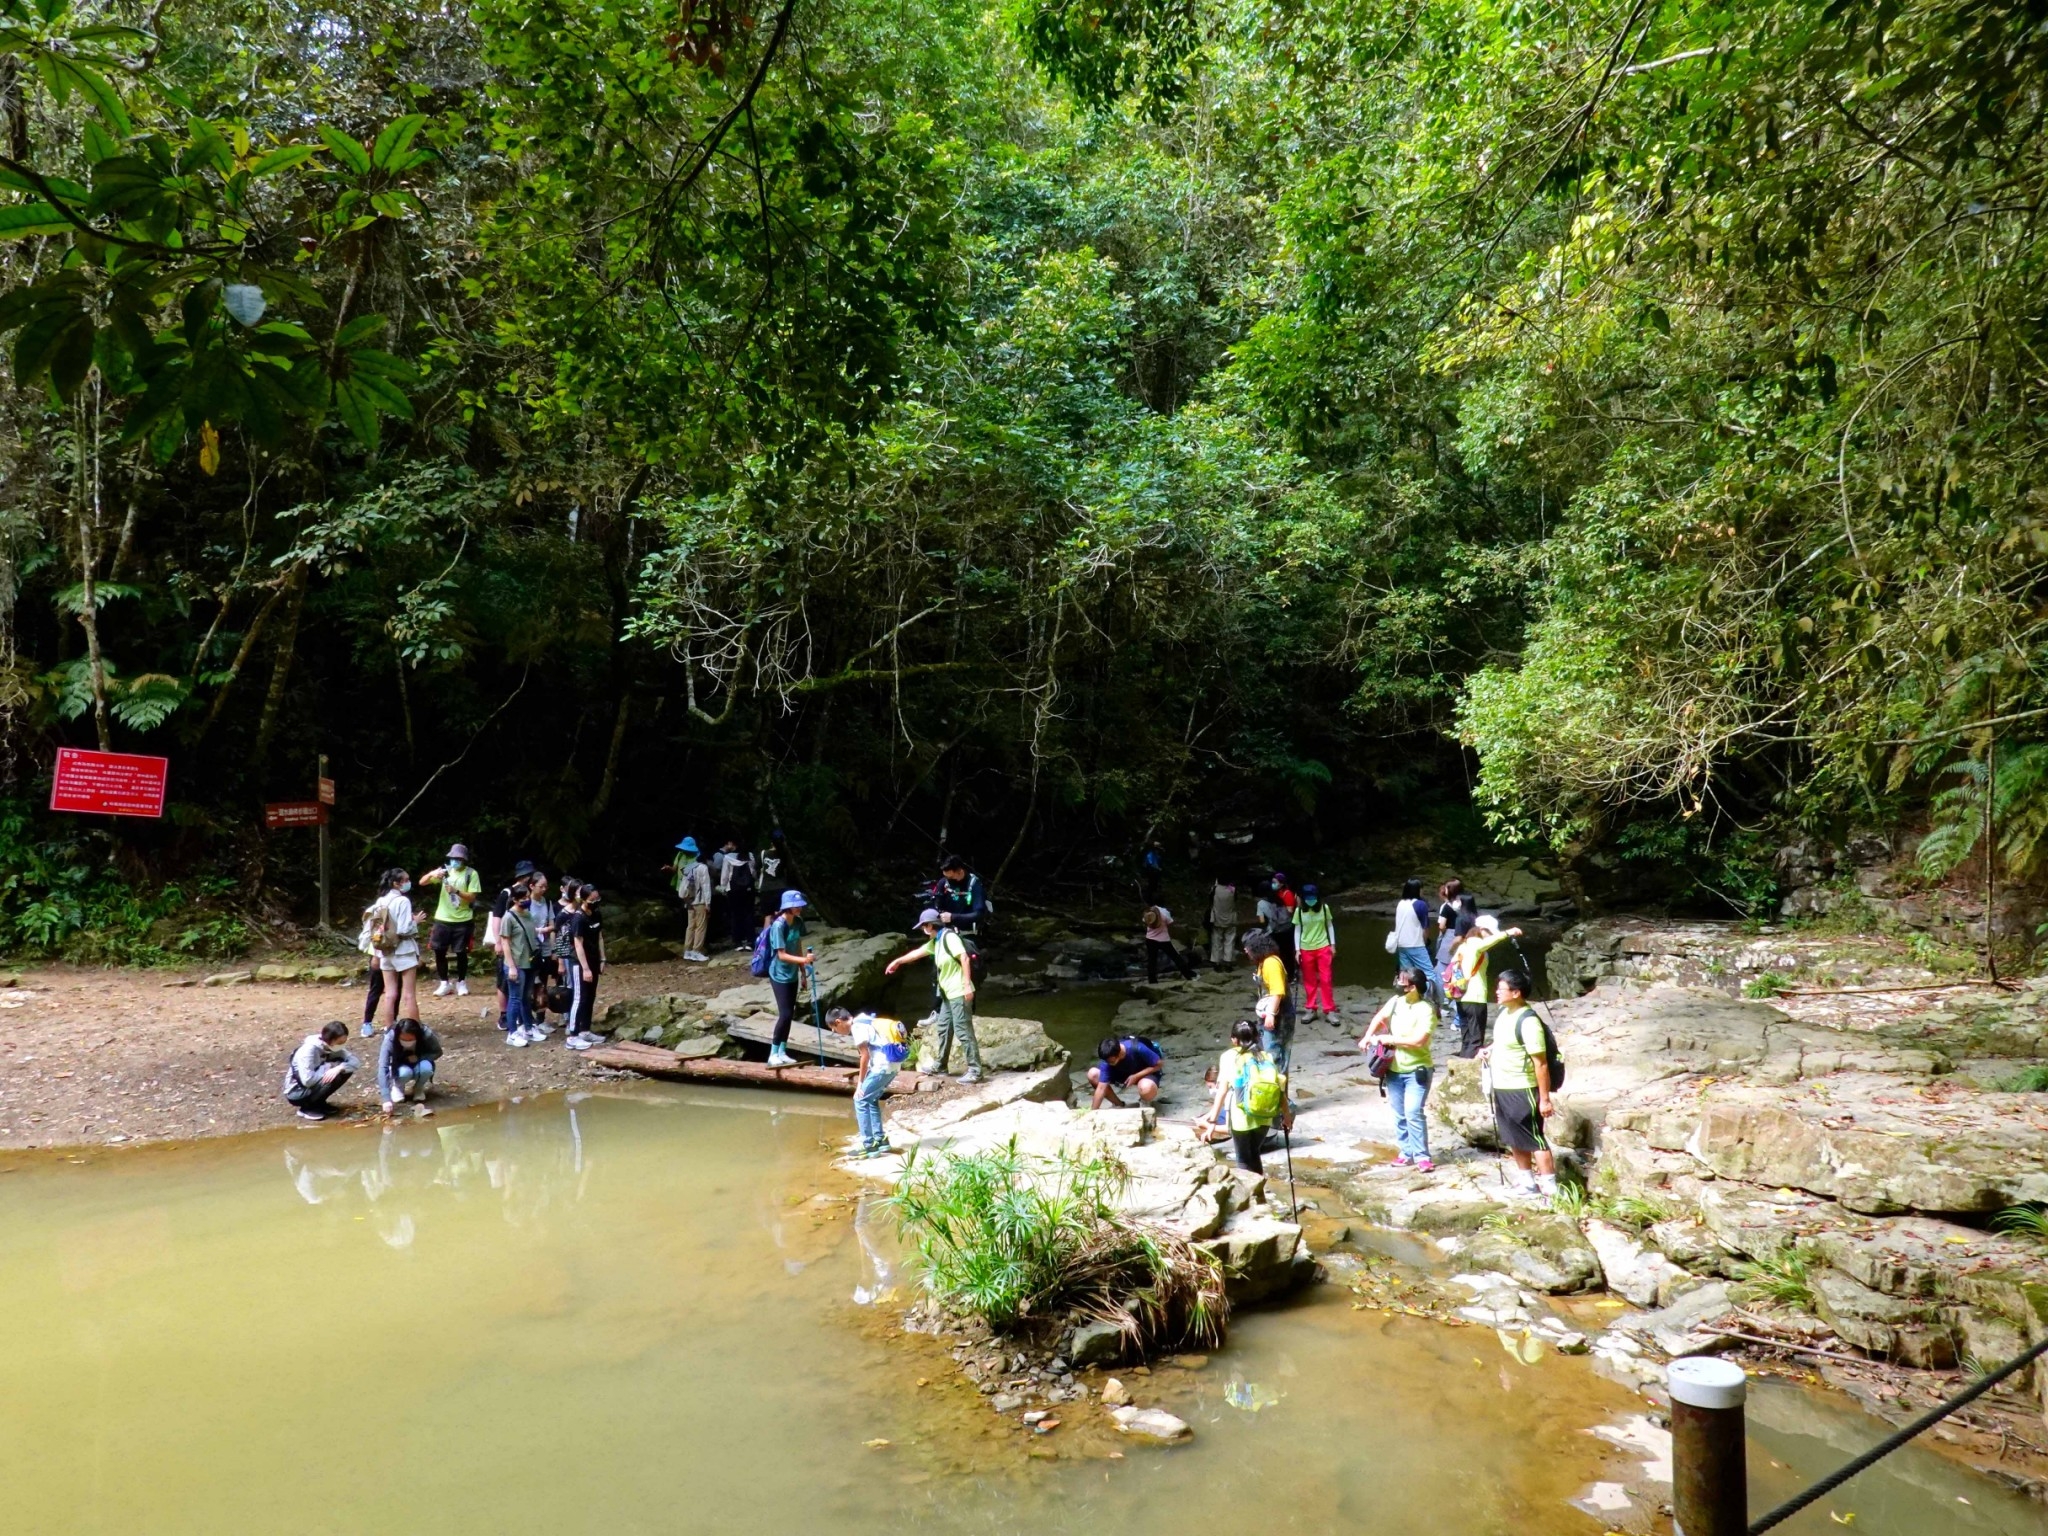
(454, 931)
(1315, 938)
(394, 930)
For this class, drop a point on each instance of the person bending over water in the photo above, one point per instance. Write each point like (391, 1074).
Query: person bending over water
(318, 1069)
(884, 1044)
(405, 1066)
(1126, 1061)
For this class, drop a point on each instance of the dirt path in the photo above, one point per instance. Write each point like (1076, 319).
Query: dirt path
(93, 1057)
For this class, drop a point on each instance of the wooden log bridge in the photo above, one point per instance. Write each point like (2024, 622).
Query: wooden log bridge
(671, 1066)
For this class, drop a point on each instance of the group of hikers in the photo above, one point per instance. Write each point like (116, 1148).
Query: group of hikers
(549, 953)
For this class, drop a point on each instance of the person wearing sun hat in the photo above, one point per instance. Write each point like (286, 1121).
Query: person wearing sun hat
(454, 931)
(693, 886)
(948, 954)
(788, 959)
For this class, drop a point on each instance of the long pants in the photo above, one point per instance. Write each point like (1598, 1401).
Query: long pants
(956, 1017)
(1315, 979)
(1154, 948)
(316, 1093)
(1278, 1042)
(518, 993)
(412, 1082)
(1222, 945)
(1408, 1092)
(1471, 1028)
(1415, 957)
(867, 1104)
(456, 936)
(374, 994)
(1246, 1144)
(586, 1000)
(572, 978)
(693, 939)
(739, 908)
(785, 1007)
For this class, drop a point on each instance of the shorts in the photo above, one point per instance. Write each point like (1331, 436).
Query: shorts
(453, 936)
(1515, 1118)
(398, 965)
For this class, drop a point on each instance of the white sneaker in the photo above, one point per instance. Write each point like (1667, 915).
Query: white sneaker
(444, 989)
(462, 989)
(369, 1029)
(778, 1057)
(517, 1039)
(697, 955)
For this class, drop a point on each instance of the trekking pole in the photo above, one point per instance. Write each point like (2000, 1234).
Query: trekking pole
(1293, 1200)
(817, 1012)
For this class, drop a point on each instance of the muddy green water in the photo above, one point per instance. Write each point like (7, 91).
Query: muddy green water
(639, 1314)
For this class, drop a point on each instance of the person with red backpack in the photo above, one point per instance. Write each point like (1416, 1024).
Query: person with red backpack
(1402, 1028)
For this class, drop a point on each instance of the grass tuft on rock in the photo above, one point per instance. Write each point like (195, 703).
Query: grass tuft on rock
(1020, 1240)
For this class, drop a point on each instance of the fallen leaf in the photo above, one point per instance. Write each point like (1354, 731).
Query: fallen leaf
(1848, 1519)
(874, 1445)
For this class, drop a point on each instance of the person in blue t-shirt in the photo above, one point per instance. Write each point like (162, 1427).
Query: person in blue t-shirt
(1127, 1061)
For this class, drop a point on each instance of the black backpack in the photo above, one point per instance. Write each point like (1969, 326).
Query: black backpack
(1551, 1056)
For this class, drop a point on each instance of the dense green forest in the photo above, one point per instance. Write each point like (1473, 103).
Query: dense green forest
(1034, 428)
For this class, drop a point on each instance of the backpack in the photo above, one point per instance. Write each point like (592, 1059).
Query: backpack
(764, 951)
(1258, 1088)
(1460, 977)
(377, 921)
(1551, 1056)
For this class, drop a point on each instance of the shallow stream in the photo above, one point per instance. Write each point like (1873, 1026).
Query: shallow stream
(637, 1312)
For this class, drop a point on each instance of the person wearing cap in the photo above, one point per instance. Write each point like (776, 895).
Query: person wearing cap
(693, 888)
(949, 957)
(454, 931)
(1315, 947)
(1467, 982)
(787, 961)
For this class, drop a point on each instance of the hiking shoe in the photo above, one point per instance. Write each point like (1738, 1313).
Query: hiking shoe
(778, 1057)
(1403, 1161)
(444, 989)
(369, 1029)
(696, 955)
(462, 989)
(313, 1114)
(1424, 1165)
(971, 1075)
(517, 1039)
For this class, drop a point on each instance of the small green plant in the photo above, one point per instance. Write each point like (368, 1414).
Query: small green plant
(2032, 1079)
(1013, 1238)
(2023, 1221)
(1635, 1212)
(1765, 984)
(1785, 1277)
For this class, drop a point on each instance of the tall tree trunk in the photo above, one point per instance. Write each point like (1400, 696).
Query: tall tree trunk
(611, 758)
(242, 653)
(281, 665)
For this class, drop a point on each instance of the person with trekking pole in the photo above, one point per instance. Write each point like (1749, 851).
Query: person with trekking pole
(1519, 1067)
(786, 963)
(1253, 1087)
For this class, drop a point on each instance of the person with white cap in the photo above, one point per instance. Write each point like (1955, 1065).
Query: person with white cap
(454, 931)
(949, 956)
(786, 963)
(693, 886)
(1467, 982)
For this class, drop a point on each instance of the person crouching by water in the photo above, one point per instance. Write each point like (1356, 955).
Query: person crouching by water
(884, 1044)
(405, 1066)
(1126, 1061)
(317, 1070)
(1254, 1088)
(949, 957)
(1405, 1023)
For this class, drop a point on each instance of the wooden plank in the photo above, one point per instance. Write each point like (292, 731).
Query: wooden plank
(803, 1039)
(651, 1061)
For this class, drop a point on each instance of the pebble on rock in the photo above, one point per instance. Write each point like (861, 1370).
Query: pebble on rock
(1115, 1394)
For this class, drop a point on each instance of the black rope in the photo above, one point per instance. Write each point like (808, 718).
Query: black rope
(1877, 1453)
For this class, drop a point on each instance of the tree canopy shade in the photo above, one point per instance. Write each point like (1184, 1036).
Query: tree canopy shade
(1032, 428)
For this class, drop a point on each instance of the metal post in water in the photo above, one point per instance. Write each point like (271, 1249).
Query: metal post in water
(1709, 1464)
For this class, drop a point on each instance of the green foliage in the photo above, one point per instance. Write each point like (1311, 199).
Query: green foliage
(2023, 1221)
(62, 897)
(2032, 1079)
(1014, 1239)
(1765, 984)
(1785, 1278)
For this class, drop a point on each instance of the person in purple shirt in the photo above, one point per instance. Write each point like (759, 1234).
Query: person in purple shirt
(1127, 1061)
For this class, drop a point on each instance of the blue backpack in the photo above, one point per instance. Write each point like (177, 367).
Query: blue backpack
(764, 951)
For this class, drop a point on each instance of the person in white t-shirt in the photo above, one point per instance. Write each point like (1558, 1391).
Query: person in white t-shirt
(1159, 941)
(884, 1044)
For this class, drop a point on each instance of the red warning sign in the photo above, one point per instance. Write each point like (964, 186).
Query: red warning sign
(109, 783)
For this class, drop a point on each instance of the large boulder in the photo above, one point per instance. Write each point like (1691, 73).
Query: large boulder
(1007, 1045)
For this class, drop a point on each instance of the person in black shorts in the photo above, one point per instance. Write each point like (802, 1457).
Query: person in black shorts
(1520, 1073)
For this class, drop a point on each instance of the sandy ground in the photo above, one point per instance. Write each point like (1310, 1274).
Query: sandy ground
(111, 1056)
